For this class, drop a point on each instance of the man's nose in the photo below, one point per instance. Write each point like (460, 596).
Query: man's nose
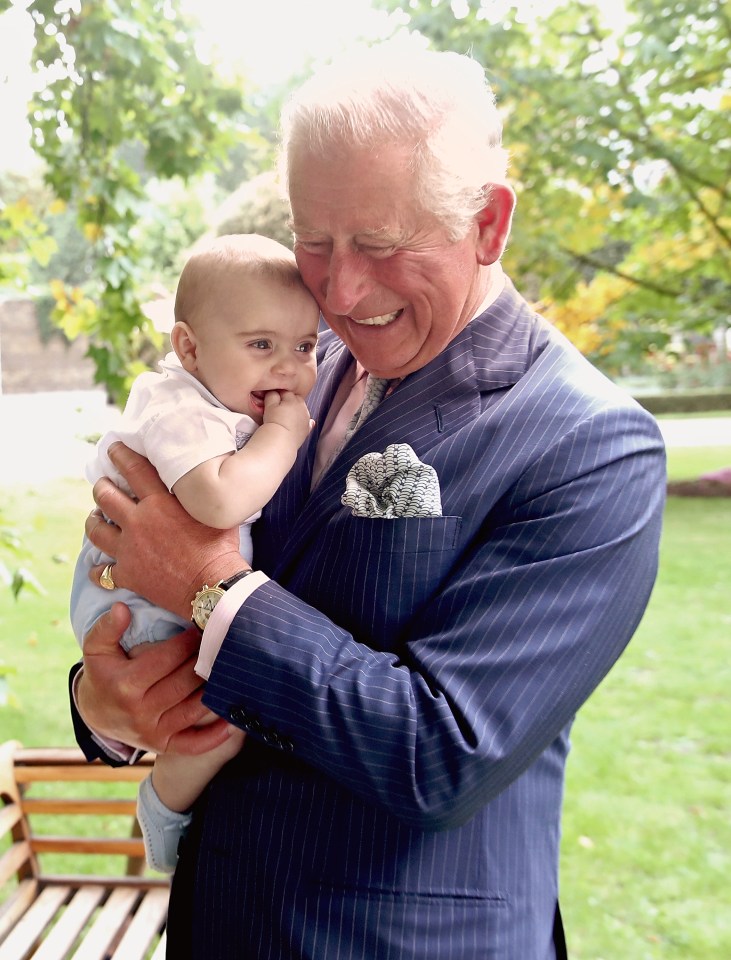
(347, 281)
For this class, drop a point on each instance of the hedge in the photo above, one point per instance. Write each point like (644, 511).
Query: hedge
(686, 401)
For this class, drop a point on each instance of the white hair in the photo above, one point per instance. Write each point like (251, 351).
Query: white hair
(440, 103)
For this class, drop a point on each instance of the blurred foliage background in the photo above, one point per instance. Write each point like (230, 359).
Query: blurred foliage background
(618, 128)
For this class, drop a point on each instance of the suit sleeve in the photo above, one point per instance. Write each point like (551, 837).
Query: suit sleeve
(545, 592)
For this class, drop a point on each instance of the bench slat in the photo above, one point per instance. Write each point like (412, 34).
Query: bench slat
(14, 907)
(9, 816)
(107, 924)
(78, 805)
(80, 880)
(146, 925)
(161, 948)
(70, 774)
(62, 756)
(33, 924)
(13, 859)
(127, 846)
(61, 939)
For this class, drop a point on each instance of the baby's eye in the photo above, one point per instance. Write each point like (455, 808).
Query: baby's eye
(305, 347)
(260, 344)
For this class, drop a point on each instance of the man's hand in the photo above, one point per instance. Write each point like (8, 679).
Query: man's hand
(152, 701)
(160, 551)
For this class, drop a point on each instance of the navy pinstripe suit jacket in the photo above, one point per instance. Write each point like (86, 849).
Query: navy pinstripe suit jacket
(409, 684)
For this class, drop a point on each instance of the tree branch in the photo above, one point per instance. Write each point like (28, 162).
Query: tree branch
(589, 261)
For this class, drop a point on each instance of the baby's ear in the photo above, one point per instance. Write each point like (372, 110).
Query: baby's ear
(182, 339)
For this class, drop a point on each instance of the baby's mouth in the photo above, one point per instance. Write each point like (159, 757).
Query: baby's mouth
(382, 321)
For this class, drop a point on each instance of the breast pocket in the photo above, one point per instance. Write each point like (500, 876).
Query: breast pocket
(372, 576)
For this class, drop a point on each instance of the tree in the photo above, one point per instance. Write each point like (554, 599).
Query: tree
(125, 99)
(619, 135)
(22, 233)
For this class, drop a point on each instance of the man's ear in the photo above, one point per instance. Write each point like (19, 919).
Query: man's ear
(182, 338)
(494, 221)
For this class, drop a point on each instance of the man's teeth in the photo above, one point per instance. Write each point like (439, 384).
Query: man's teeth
(381, 321)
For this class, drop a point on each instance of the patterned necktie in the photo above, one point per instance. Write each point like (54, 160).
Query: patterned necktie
(375, 391)
(370, 390)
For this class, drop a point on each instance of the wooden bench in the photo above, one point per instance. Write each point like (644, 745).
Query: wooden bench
(82, 915)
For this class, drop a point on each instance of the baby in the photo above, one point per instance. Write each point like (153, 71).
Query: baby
(221, 423)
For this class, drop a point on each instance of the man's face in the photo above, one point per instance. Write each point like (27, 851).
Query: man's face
(387, 278)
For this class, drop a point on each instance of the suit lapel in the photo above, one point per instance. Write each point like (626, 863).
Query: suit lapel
(424, 408)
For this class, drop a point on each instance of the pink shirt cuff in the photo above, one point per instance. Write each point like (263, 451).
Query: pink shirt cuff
(224, 612)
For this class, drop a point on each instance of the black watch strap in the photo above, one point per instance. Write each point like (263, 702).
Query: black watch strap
(227, 584)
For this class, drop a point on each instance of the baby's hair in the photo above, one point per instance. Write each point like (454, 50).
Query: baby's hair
(252, 255)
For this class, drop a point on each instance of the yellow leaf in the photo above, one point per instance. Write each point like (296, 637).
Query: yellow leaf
(58, 290)
(92, 232)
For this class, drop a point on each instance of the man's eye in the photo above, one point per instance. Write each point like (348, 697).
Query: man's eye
(379, 253)
(312, 246)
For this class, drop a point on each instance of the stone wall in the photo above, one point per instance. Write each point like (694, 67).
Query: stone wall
(30, 365)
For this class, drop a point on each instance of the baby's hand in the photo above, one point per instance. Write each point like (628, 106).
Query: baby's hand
(289, 411)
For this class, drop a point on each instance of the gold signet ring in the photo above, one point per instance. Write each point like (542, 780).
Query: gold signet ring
(105, 580)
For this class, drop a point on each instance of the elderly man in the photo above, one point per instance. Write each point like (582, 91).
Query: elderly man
(437, 588)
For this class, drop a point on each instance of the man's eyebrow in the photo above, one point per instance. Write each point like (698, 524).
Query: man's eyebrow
(377, 233)
(306, 231)
(295, 227)
(378, 238)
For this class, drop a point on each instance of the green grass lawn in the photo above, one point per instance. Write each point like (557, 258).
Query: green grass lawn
(35, 634)
(647, 824)
(647, 827)
(689, 463)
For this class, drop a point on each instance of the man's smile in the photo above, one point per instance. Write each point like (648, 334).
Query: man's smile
(381, 321)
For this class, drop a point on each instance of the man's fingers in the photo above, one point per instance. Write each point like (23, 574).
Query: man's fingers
(112, 503)
(101, 534)
(177, 652)
(137, 471)
(165, 669)
(197, 740)
(181, 688)
(103, 638)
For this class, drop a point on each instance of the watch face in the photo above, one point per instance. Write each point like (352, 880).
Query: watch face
(204, 603)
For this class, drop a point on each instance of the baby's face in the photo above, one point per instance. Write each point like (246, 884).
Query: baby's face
(259, 336)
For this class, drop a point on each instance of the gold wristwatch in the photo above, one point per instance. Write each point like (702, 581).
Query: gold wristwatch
(207, 597)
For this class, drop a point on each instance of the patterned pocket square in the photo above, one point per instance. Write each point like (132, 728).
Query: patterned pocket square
(392, 484)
